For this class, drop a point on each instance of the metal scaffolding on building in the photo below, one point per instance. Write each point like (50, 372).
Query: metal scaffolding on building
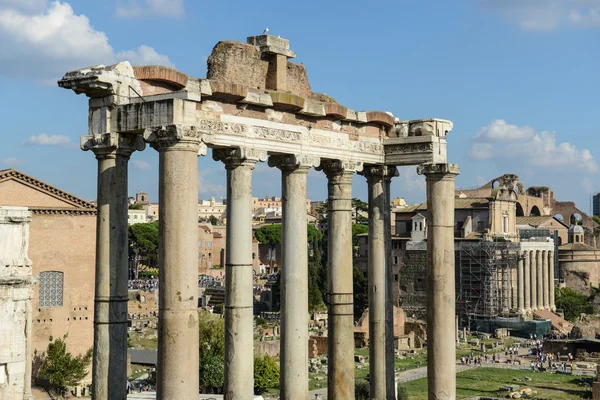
(486, 279)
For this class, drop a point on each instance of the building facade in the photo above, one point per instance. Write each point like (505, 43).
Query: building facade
(62, 243)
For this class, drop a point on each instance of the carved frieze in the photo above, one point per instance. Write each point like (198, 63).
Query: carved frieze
(408, 148)
(219, 127)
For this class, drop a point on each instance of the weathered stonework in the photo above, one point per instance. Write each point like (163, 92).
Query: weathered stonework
(16, 283)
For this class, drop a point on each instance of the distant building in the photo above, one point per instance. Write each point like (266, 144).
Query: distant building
(596, 205)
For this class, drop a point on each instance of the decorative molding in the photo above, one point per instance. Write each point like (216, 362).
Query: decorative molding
(55, 192)
(182, 137)
(438, 169)
(379, 171)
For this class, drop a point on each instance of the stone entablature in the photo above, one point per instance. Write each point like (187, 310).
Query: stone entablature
(243, 111)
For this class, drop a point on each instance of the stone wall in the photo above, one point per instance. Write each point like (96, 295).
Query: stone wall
(15, 303)
(269, 347)
(413, 283)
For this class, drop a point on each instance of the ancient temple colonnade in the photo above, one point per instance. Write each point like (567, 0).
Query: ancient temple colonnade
(295, 130)
(535, 281)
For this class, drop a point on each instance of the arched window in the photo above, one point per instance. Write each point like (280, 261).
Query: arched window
(51, 289)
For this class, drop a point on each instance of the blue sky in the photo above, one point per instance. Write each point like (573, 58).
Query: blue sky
(519, 78)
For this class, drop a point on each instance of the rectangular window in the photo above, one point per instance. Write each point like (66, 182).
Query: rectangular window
(480, 226)
(395, 259)
(210, 243)
(200, 243)
(396, 277)
(51, 289)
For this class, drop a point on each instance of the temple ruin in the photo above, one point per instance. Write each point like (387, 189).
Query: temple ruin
(255, 105)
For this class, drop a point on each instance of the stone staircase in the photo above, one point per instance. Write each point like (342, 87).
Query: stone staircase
(558, 323)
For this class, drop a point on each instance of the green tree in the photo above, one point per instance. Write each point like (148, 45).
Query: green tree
(266, 374)
(269, 234)
(144, 236)
(61, 368)
(361, 294)
(572, 303)
(136, 207)
(212, 351)
(213, 220)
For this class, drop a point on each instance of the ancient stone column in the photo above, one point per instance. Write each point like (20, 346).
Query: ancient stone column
(390, 301)
(526, 282)
(294, 275)
(109, 367)
(340, 376)
(551, 280)
(520, 287)
(177, 369)
(441, 352)
(239, 340)
(545, 281)
(533, 274)
(540, 280)
(377, 280)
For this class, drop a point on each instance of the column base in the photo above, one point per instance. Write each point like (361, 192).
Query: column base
(553, 309)
(521, 311)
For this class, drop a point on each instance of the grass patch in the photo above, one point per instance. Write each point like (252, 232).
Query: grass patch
(487, 381)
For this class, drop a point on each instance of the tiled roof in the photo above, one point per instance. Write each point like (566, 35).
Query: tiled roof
(537, 221)
(577, 247)
(144, 357)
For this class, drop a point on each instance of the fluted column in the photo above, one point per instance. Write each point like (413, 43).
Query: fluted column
(551, 280)
(533, 268)
(109, 366)
(239, 352)
(294, 275)
(526, 282)
(540, 280)
(441, 307)
(390, 301)
(545, 275)
(177, 369)
(340, 376)
(520, 286)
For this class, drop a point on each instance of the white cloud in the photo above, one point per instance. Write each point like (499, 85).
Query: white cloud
(10, 161)
(150, 8)
(522, 144)
(499, 130)
(547, 14)
(49, 140)
(47, 44)
(207, 187)
(28, 6)
(141, 165)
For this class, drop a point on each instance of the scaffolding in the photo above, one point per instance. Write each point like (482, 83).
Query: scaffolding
(486, 279)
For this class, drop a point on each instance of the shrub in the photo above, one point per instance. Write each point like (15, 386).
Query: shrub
(266, 374)
(361, 389)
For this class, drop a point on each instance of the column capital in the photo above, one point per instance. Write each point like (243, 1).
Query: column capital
(379, 172)
(236, 156)
(292, 162)
(339, 168)
(112, 143)
(175, 137)
(438, 169)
